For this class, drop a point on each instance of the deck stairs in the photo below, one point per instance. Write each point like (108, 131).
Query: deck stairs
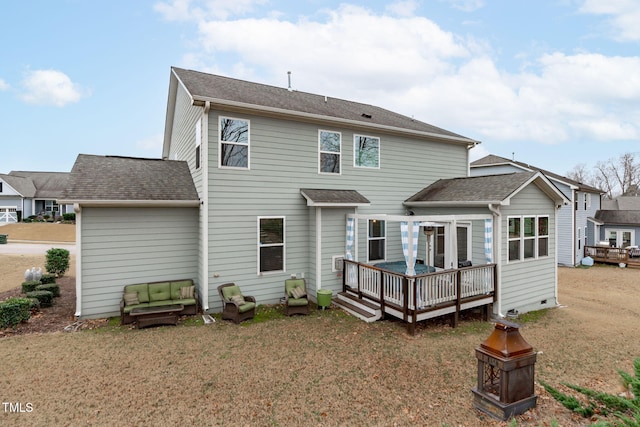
(363, 309)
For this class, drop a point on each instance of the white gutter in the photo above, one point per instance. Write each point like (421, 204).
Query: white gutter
(204, 210)
(78, 210)
(134, 203)
(497, 247)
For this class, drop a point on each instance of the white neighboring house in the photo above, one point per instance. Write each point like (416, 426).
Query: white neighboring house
(575, 230)
(26, 193)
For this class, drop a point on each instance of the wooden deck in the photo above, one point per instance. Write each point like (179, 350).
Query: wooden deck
(609, 255)
(423, 296)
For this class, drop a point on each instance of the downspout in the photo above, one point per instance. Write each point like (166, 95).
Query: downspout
(78, 211)
(204, 213)
(318, 249)
(555, 291)
(497, 248)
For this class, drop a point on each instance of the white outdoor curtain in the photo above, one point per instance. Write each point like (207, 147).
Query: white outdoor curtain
(488, 240)
(404, 236)
(350, 236)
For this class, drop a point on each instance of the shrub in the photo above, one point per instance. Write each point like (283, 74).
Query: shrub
(45, 297)
(35, 304)
(48, 278)
(14, 311)
(30, 285)
(69, 216)
(625, 409)
(57, 261)
(51, 287)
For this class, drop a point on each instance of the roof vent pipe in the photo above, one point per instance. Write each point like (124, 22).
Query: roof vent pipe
(289, 76)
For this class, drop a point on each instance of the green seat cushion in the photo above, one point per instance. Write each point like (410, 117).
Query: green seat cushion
(128, 308)
(176, 286)
(297, 302)
(188, 301)
(159, 292)
(160, 303)
(142, 290)
(247, 306)
(230, 291)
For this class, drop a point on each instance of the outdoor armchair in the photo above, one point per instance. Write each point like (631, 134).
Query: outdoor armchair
(295, 295)
(235, 306)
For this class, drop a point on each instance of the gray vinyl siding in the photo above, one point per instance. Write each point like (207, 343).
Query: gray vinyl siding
(566, 227)
(122, 246)
(284, 159)
(528, 284)
(334, 223)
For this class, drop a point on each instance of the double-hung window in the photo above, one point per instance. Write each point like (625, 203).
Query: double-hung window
(329, 151)
(528, 237)
(366, 151)
(376, 239)
(234, 143)
(271, 244)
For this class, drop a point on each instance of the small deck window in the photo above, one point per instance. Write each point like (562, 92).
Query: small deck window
(366, 151)
(271, 244)
(234, 143)
(376, 239)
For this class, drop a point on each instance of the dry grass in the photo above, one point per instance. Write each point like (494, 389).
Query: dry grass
(12, 268)
(324, 369)
(40, 231)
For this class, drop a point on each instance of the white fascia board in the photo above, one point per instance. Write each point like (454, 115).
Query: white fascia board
(133, 203)
(455, 204)
(335, 205)
(279, 112)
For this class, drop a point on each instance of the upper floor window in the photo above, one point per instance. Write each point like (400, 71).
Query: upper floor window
(234, 143)
(330, 151)
(366, 151)
(271, 249)
(198, 142)
(528, 237)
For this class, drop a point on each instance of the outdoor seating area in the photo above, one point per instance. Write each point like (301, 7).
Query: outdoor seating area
(142, 301)
(295, 295)
(629, 256)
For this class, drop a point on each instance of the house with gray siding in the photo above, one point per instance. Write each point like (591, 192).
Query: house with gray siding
(26, 193)
(617, 222)
(573, 224)
(284, 183)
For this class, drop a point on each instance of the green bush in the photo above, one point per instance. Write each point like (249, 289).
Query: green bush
(69, 216)
(14, 311)
(48, 278)
(51, 287)
(35, 304)
(30, 286)
(57, 261)
(45, 297)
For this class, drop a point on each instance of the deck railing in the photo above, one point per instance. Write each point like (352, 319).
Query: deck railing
(607, 254)
(424, 292)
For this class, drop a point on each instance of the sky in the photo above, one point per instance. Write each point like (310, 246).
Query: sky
(552, 83)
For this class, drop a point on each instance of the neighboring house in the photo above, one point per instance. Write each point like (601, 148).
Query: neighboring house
(283, 183)
(573, 226)
(25, 193)
(618, 222)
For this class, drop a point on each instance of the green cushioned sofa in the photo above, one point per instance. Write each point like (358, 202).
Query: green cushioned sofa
(157, 294)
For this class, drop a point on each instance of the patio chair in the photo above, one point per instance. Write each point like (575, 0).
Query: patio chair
(295, 294)
(236, 307)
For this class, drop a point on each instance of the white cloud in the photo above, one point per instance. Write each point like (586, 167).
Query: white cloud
(4, 85)
(409, 64)
(466, 5)
(196, 10)
(624, 16)
(403, 8)
(50, 87)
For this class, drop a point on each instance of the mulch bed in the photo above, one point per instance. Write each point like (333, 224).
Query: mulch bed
(48, 319)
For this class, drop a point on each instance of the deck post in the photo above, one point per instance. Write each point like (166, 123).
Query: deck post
(456, 315)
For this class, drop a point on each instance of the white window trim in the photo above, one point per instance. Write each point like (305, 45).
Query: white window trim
(355, 137)
(320, 152)
(384, 237)
(522, 238)
(248, 144)
(283, 244)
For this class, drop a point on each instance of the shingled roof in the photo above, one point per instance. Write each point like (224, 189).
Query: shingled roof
(24, 186)
(493, 160)
(619, 217)
(47, 185)
(128, 179)
(322, 197)
(239, 93)
(494, 189)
